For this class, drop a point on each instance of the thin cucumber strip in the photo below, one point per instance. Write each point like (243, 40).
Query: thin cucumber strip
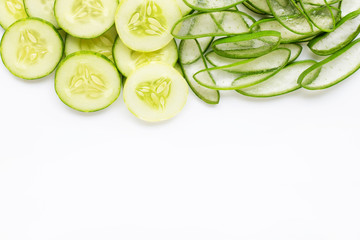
(211, 5)
(348, 6)
(333, 69)
(128, 60)
(10, 12)
(287, 36)
(295, 50)
(320, 14)
(247, 45)
(345, 32)
(283, 82)
(289, 14)
(185, 9)
(87, 81)
(145, 25)
(31, 48)
(261, 5)
(85, 20)
(244, 73)
(266, 63)
(213, 24)
(189, 49)
(155, 92)
(102, 44)
(218, 61)
(207, 95)
(43, 9)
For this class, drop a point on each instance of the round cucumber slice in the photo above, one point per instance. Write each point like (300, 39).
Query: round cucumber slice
(155, 92)
(10, 12)
(31, 48)
(85, 18)
(102, 44)
(87, 81)
(128, 60)
(145, 25)
(43, 9)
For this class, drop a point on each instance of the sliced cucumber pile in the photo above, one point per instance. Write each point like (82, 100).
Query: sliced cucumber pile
(249, 46)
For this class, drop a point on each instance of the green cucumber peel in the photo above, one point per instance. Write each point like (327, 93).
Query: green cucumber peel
(333, 69)
(212, 24)
(188, 49)
(294, 48)
(345, 32)
(245, 73)
(210, 5)
(285, 81)
(247, 45)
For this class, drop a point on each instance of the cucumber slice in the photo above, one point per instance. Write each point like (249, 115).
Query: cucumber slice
(128, 60)
(244, 73)
(10, 12)
(31, 48)
(348, 6)
(247, 45)
(185, 9)
(84, 18)
(346, 31)
(43, 9)
(102, 44)
(155, 92)
(289, 14)
(295, 50)
(211, 5)
(261, 5)
(207, 95)
(287, 36)
(87, 81)
(333, 69)
(283, 82)
(213, 24)
(189, 49)
(144, 25)
(320, 14)
(249, 6)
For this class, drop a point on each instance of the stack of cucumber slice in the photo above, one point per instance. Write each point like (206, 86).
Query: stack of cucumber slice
(249, 46)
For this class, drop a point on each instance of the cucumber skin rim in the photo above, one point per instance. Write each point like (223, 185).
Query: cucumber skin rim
(182, 44)
(245, 37)
(68, 32)
(235, 64)
(281, 93)
(298, 54)
(213, 9)
(190, 85)
(2, 26)
(208, 35)
(47, 23)
(323, 62)
(254, 9)
(92, 54)
(343, 44)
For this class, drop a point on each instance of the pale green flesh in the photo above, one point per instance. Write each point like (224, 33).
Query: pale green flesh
(102, 44)
(209, 5)
(85, 18)
(188, 49)
(333, 69)
(155, 92)
(261, 5)
(11, 11)
(145, 25)
(87, 82)
(283, 82)
(128, 60)
(185, 9)
(295, 50)
(31, 48)
(43, 9)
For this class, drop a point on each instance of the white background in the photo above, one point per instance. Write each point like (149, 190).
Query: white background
(285, 168)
